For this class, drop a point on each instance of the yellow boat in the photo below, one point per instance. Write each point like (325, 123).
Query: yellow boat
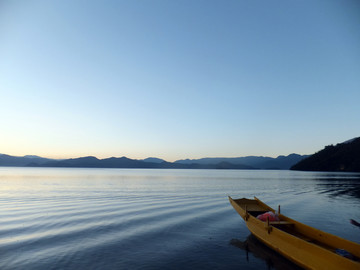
(306, 246)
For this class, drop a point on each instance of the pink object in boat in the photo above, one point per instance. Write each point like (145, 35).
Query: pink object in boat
(271, 215)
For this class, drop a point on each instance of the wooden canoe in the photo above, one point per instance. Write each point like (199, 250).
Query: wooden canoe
(306, 246)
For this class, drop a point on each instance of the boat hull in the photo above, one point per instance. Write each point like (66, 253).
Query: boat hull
(306, 246)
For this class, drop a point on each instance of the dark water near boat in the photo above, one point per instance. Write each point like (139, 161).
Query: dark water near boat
(159, 219)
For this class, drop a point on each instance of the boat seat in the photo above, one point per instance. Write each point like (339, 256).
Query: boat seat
(281, 222)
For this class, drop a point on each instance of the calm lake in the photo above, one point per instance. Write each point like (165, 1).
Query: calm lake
(159, 219)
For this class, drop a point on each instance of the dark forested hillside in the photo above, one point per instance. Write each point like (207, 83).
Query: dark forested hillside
(341, 157)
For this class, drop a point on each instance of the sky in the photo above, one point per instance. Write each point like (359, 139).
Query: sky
(178, 79)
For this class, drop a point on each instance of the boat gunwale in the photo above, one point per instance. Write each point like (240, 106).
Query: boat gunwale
(254, 224)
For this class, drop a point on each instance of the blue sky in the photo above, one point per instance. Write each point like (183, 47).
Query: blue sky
(178, 79)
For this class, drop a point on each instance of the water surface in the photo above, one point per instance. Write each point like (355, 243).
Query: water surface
(158, 219)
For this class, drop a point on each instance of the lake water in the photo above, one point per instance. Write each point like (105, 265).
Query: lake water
(159, 219)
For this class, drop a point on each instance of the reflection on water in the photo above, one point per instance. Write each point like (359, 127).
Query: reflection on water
(272, 258)
(348, 185)
(171, 219)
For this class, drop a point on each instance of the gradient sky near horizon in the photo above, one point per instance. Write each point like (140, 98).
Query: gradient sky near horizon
(178, 79)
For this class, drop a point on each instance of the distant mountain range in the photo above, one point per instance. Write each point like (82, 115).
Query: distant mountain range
(251, 162)
(267, 163)
(343, 157)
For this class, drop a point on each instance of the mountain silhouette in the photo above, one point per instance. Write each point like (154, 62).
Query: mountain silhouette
(343, 157)
(258, 162)
(6, 160)
(281, 162)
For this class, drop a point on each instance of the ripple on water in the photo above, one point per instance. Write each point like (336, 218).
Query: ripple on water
(127, 221)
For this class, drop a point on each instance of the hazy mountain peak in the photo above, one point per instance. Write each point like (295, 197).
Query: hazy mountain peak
(31, 156)
(153, 160)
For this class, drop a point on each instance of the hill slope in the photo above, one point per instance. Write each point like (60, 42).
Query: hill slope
(266, 163)
(29, 160)
(343, 157)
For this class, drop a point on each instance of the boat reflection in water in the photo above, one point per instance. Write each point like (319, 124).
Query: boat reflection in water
(273, 259)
